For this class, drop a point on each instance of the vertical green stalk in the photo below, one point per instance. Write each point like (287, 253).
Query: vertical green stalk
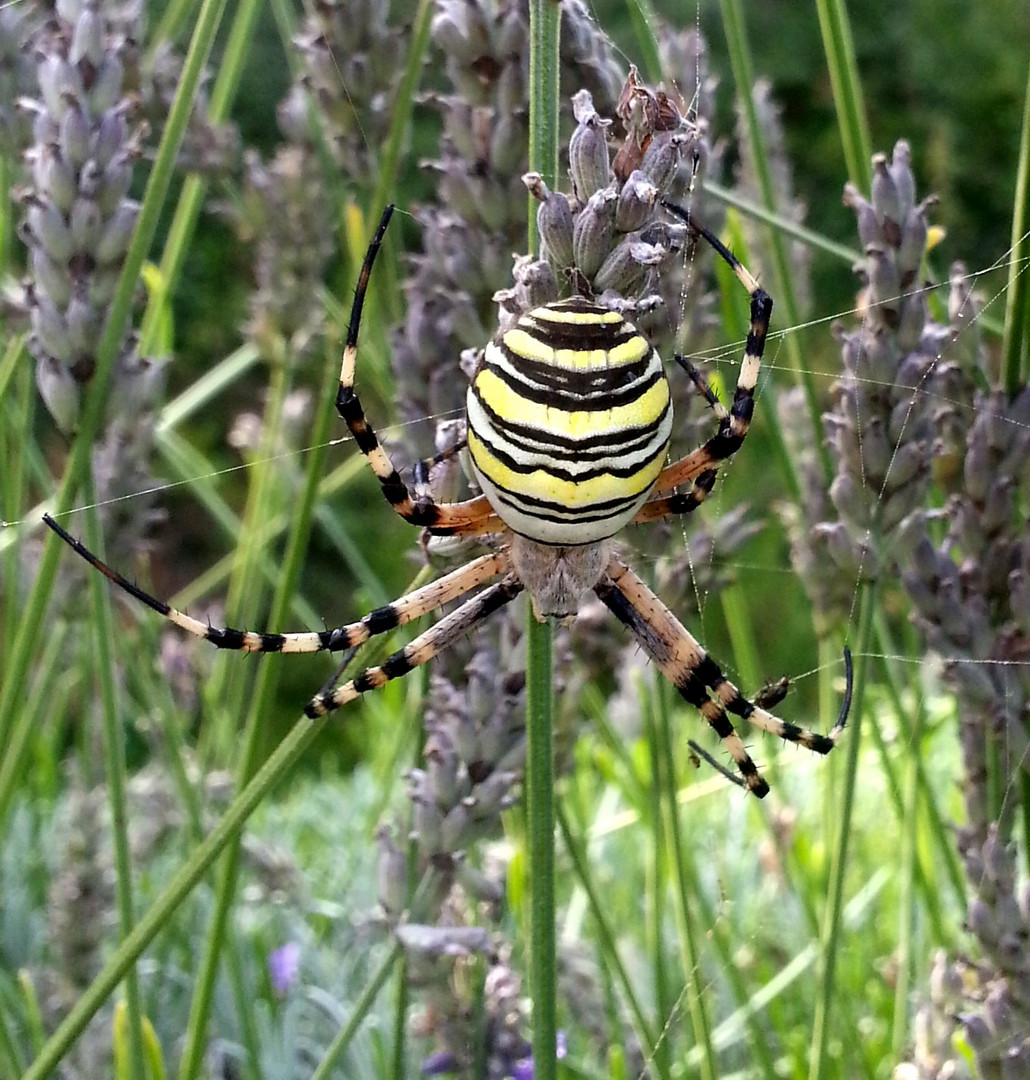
(1015, 351)
(830, 937)
(17, 401)
(187, 210)
(544, 38)
(540, 829)
(114, 764)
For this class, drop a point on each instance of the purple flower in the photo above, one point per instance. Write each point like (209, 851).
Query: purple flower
(523, 1069)
(440, 1063)
(284, 966)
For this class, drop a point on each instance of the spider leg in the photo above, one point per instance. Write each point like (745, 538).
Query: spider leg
(735, 421)
(679, 657)
(412, 606)
(427, 645)
(686, 503)
(737, 704)
(721, 769)
(684, 662)
(417, 506)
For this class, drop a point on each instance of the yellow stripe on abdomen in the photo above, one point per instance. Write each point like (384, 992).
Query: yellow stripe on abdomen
(569, 418)
(504, 400)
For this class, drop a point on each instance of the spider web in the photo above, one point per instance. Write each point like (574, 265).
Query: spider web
(777, 372)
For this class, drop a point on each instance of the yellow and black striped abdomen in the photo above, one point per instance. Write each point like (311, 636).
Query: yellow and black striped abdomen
(569, 418)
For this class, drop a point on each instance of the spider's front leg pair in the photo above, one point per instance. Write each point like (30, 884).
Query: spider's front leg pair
(470, 518)
(476, 516)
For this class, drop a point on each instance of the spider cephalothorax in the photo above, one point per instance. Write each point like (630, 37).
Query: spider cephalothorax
(569, 419)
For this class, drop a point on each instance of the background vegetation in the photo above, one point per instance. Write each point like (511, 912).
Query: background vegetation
(127, 873)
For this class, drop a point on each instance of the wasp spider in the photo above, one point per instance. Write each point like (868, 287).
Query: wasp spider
(569, 420)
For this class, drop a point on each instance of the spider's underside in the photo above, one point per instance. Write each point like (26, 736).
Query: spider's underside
(569, 420)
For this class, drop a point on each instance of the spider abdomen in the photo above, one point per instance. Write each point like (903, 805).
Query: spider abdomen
(569, 418)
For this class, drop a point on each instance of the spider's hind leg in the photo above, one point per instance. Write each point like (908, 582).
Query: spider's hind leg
(698, 678)
(427, 645)
(679, 657)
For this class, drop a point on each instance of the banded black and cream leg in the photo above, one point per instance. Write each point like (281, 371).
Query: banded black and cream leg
(697, 677)
(416, 505)
(735, 421)
(680, 503)
(408, 608)
(427, 645)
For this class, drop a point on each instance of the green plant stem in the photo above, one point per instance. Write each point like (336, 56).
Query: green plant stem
(830, 937)
(786, 296)
(398, 135)
(544, 104)
(187, 210)
(540, 828)
(644, 19)
(606, 935)
(361, 1007)
(261, 701)
(544, 35)
(114, 764)
(17, 407)
(242, 603)
(685, 888)
(787, 227)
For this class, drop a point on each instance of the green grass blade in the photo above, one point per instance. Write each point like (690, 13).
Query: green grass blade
(606, 934)
(187, 211)
(785, 294)
(847, 91)
(684, 888)
(1016, 342)
(277, 765)
(361, 1007)
(823, 1021)
(114, 768)
(261, 701)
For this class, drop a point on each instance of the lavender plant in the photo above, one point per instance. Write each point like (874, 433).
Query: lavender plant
(915, 380)
(900, 428)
